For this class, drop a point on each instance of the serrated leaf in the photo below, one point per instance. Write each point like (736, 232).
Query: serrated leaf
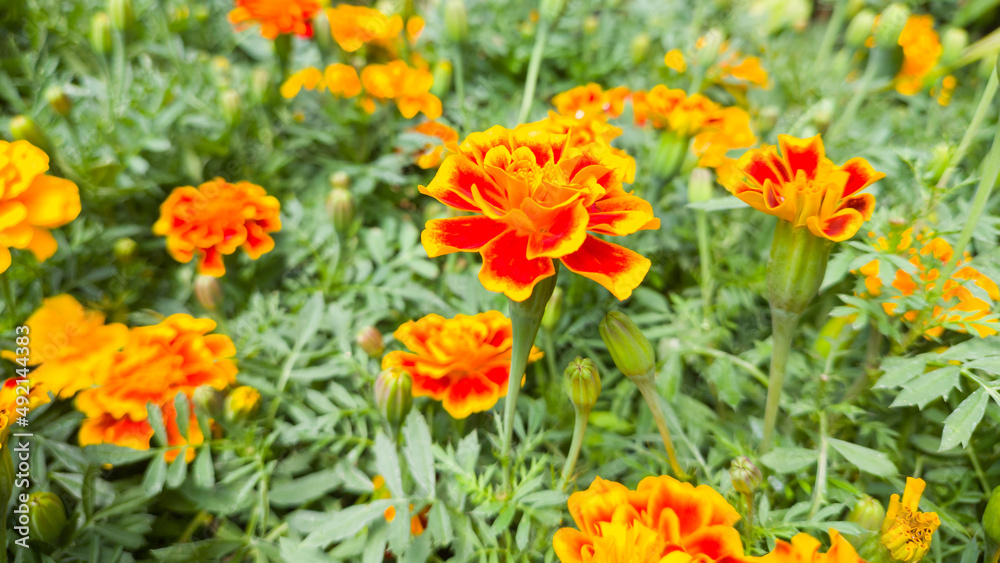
(418, 452)
(897, 371)
(927, 387)
(304, 489)
(178, 469)
(155, 419)
(523, 532)
(182, 406)
(203, 470)
(347, 522)
(387, 463)
(156, 476)
(789, 460)
(962, 422)
(865, 459)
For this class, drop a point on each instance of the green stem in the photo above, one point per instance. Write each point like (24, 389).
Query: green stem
(978, 468)
(996, 556)
(536, 62)
(648, 390)
(985, 101)
(783, 325)
(748, 524)
(832, 29)
(819, 490)
(579, 428)
(860, 93)
(550, 357)
(526, 318)
(460, 89)
(705, 257)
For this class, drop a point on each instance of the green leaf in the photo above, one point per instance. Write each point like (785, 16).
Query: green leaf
(178, 469)
(156, 475)
(523, 532)
(305, 489)
(897, 371)
(387, 464)
(203, 470)
(347, 522)
(927, 387)
(960, 424)
(156, 422)
(789, 460)
(865, 459)
(183, 408)
(418, 452)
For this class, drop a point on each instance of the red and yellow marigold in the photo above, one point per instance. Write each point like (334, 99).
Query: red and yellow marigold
(662, 521)
(408, 87)
(159, 362)
(215, 219)
(31, 202)
(276, 17)
(806, 549)
(354, 26)
(433, 154)
(800, 185)
(906, 532)
(463, 362)
(535, 200)
(585, 130)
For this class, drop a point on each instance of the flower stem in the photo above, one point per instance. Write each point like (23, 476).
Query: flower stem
(748, 523)
(579, 428)
(860, 93)
(783, 325)
(526, 317)
(705, 258)
(985, 101)
(536, 61)
(648, 390)
(832, 29)
(819, 490)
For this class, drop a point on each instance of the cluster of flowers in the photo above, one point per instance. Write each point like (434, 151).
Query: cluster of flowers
(922, 51)
(730, 67)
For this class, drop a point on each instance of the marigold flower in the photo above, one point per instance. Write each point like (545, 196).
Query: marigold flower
(72, 345)
(310, 78)
(277, 17)
(535, 200)
(800, 185)
(591, 100)
(805, 549)
(907, 532)
(663, 520)
(342, 80)
(585, 130)
(353, 26)
(921, 51)
(674, 60)
(31, 202)
(730, 129)
(159, 362)
(414, 27)
(463, 362)
(747, 69)
(433, 154)
(408, 87)
(11, 410)
(418, 522)
(215, 219)
(943, 95)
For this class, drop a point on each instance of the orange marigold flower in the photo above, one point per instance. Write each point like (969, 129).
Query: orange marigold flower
(11, 409)
(414, 27)
(536, 200)
(907, 532)
(157, 363)
(748, 70)
(800, 185)
(215, 219)
(585, 130)
(805, 549)
(433, 154)
(921, 51)
(408, 87)
(341, 79)
(591, 101)
(310, 78)
(276, 17)
(72, 345)
(666, 108)
(728, 130)
(663, 520)
(353, 26)
(31, 202)
(674, 59)
(462, 362)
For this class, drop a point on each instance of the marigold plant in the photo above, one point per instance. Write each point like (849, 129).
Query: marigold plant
(276, 17)
(342, 81)
(921, 51)
(31, 202)
(463, 362)
(354, 26)
(11, 409)
(215, 219)
(433, 154)
(806, 549)
(906, 532)
(408, 87)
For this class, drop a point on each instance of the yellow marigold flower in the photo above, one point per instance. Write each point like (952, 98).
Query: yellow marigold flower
(353, 26)
(408, 87)
(591, 101)
(414, 27)
(31, 202)
(805, 549)
(214, 220)
(72, 345)
(309, 78)
(342, 80)
(800, 185)
(921, 52)
(157, 363)
(674, 59)
(673, 109)
(907, 532)
(11, 409)
(948, 84)
(433, 154)
(748, 69)
(729, 129)
(277, 17)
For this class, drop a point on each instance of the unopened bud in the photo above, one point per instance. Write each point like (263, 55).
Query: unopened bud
(823, 114)
(58, 100)
(629, 347)
(242, 403)
(746, 476)
(260, 80)
(394, 394)
(867, 513)
(953, 42)
(207, 291)
(986, 64)
(370, 340)
(122, 14)
(700, 185)
(890, 24)
(124, 249)
(340, 208)
(46, 517)
(551, 9)
(940, 157)
(230, 101)
(991, 516)
(208, 399)
(100, 33)
(860, 28)
(456, 20)
(582, 383)
(590, 24)
(442, 78)
(639, 48)
(23, 128)
(553, 309)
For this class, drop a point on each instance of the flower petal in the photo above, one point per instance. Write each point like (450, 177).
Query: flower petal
(802, 154)
(620, 216)
(459, 234)
(507, 269)
(617, 268)
(565, 233)
(861, 174)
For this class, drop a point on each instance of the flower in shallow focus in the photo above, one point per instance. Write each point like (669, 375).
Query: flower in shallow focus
(537, 200)
(159, 362)
(408, 87)
(433, 154)
(31, 202)
(353, 26)
(11, 409)
(805, 549)
(72, 344)
(276, 17)
(215, 219)
(921, 51)
(674, 60)
(591, 100)
(745, 69)
(800, 185)
(907, 532)
(342, 80)
(663, 520)
(463, 362)
(585, 130)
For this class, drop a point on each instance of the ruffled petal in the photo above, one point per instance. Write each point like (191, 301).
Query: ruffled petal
(839, 227)
(507, 269)
(459, 234)
(51, 201)
(802, 154)
(620, 216)
(617, 268)
(565, 234)
(861, 175)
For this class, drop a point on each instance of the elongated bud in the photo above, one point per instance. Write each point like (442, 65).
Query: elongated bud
(23, 128)
(340, 208)
(991, 516)
(124, 249)
(242, 403)
(953, 42)
(122, 14)
(582, 383)
(208, 399)
(823, 114)
(867, 513)
(46, 517)
(890, 24)
(456, 20)
(370, 340)
(58, 100)
(553, 309)
(629, 347)
(394, 395)
(745, 475)
(207, 291)
(442, 78)
(231, 106)
(639, 48)
(100, 33)
(860, 28)
(700, 185)
(551, 9)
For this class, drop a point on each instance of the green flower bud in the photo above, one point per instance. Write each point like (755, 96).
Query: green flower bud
(582, 383)
(456, 20)
(854, 6)
(124, 249)
(867, 513)
(58, 100)
(860, 28)
(746, 477)
(207, 291)
(370, 340)
(796, 267)
(823, 114)
(590, 24)
(700, 185)
(340, 208)
(668, 156)
(100, 33)
(890, 24)
(553, 309)
(394, 395)
(442, 78)
(340, 180)
(23, 128)
(260, 80)
(940, 157)
(242, 403)
(953, 42)
(321, 31)
(122, 14)
(629, 347)
(991, 516)
(46, 517)
(639, 48)
(230, 101)
(208, 399)
(551, 9)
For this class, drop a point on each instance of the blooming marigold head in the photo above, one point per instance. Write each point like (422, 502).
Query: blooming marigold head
(907, 532)
(535, 200)
(662, 516)
(215, 219)
(341, 79)
(353, 26)
(800, 185)
(408, 87)
(462, 362)
(921, 51)
(276, 17)
(31, 202)
(805, 549)
(591, 101)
